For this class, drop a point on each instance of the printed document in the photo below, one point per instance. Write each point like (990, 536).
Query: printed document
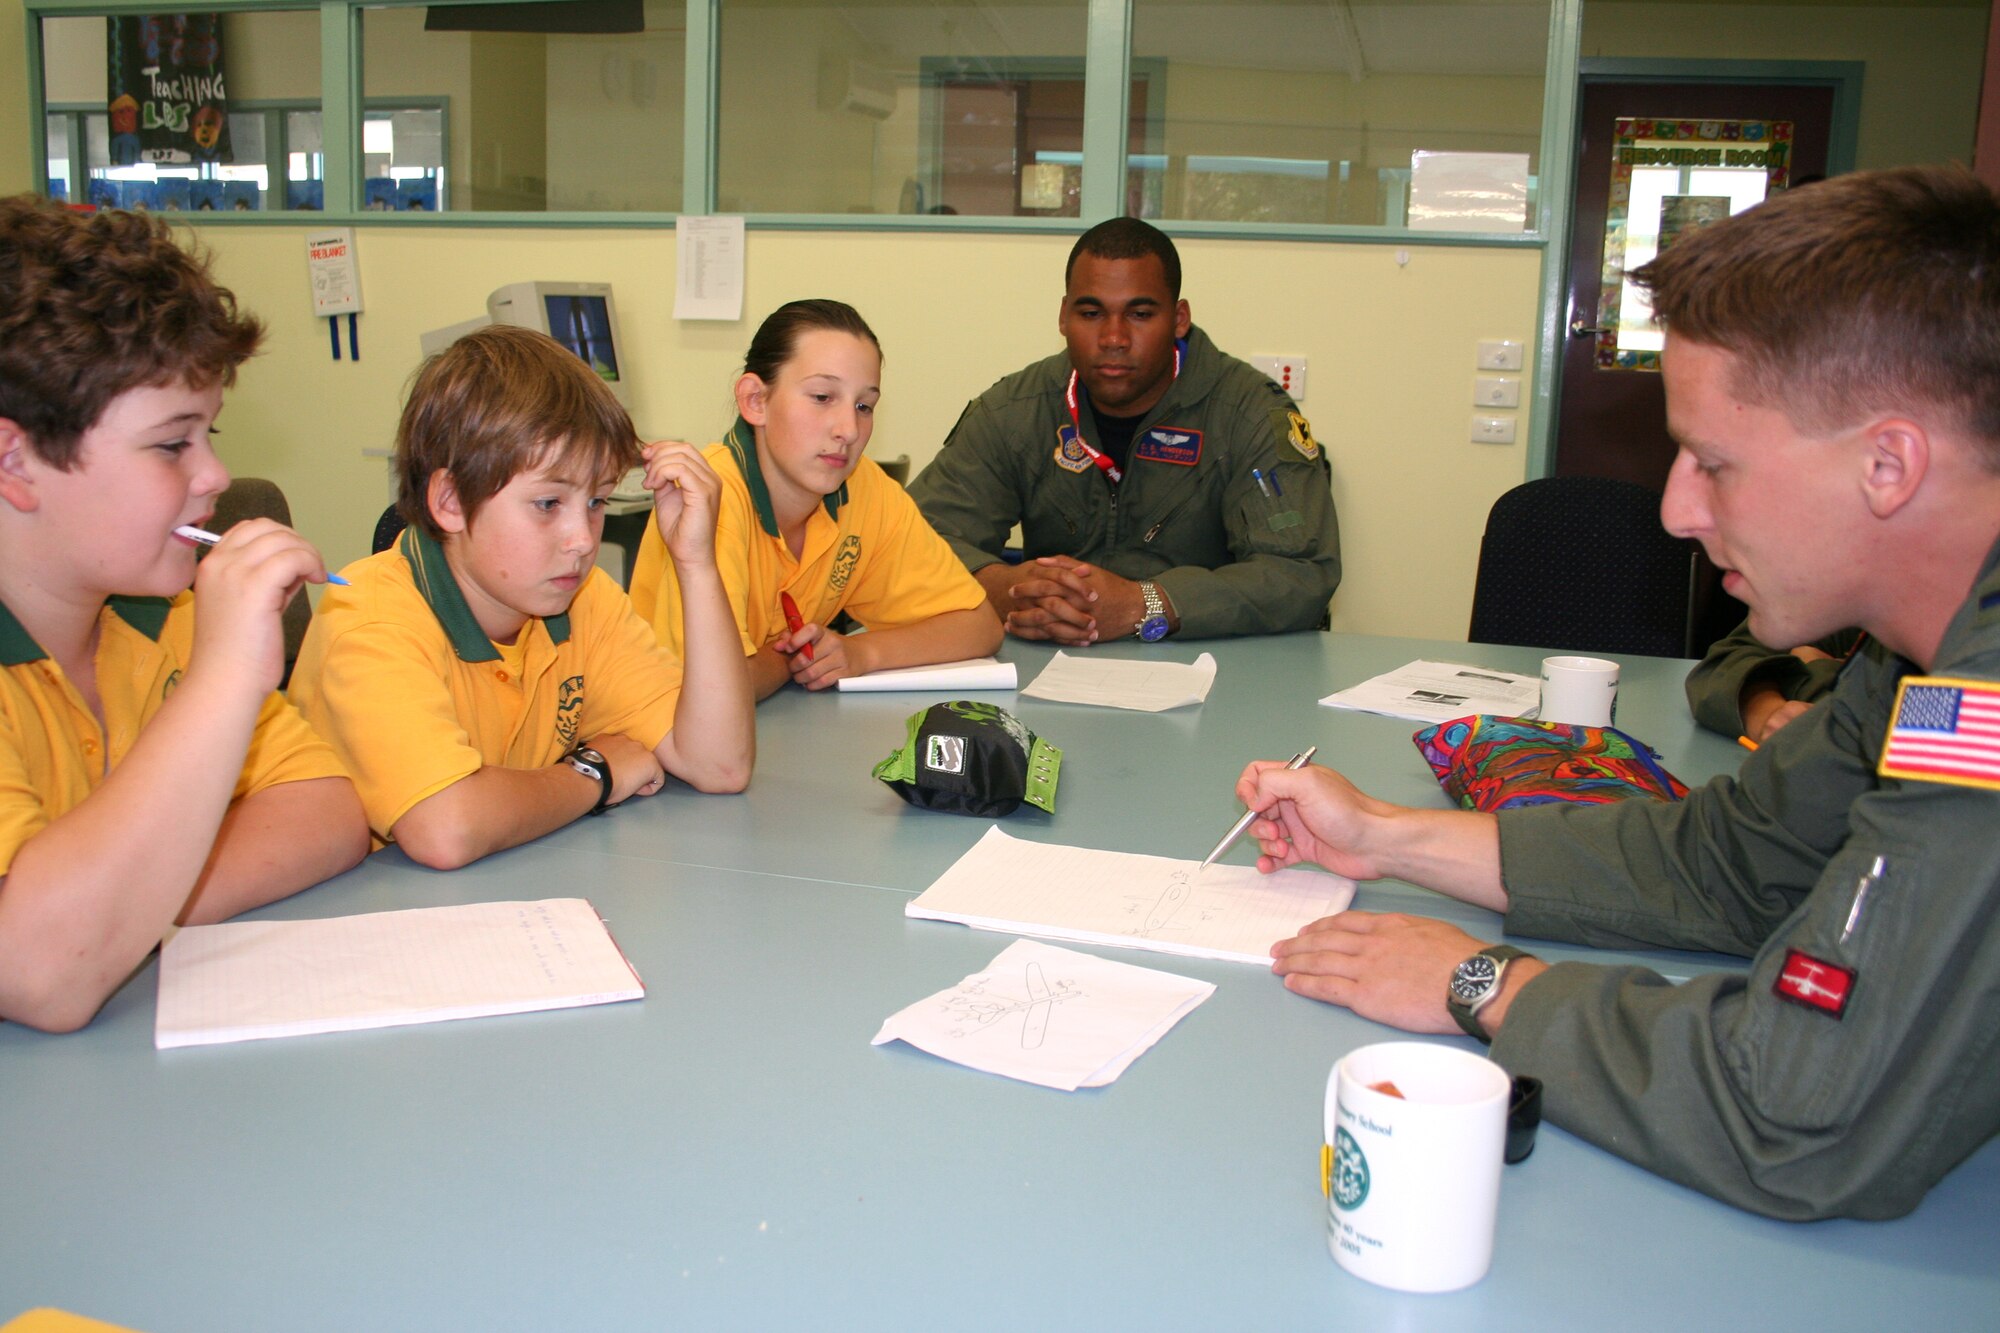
(1441, 691)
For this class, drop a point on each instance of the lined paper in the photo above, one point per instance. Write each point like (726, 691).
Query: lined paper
(1128, 900)
(249, 980)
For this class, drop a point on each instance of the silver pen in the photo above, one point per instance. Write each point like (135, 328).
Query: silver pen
(1242, 826)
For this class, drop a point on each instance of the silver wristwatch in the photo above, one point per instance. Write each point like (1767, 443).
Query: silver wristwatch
(1153, 625)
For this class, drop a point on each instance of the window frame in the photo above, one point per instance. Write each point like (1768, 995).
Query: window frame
(1107, 71)
(1107, 67)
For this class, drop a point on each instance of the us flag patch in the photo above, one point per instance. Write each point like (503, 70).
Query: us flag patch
(1808, 981)
(1945, 731)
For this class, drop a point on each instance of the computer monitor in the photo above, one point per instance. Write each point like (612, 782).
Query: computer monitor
(582, 316)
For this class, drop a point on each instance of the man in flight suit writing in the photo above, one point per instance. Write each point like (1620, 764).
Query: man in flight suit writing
(1832, 370)
(1162, 486)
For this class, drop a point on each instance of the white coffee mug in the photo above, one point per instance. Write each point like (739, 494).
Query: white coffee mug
(1579, 690)
(1413, 1180)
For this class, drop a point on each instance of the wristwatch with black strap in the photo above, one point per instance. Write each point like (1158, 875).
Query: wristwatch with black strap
(596, 767)
(1475, 982)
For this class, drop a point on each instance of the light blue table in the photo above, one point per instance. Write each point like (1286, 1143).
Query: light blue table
(732, 1153)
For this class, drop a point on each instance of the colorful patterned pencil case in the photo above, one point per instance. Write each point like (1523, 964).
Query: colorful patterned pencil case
(1503, 763)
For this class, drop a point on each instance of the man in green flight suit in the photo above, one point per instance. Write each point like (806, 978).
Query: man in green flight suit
(1746, 688)
(1162, 486)
(1832, 371)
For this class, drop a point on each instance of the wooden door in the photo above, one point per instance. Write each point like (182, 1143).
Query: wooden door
(1704, 142)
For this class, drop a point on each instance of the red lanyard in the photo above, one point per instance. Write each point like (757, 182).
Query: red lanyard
(1072, 398)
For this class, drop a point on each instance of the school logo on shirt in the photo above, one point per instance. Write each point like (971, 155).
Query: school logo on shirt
(1170, 444)
(569, 710)
(844, 561)
(1299, 435)
(1070, 453)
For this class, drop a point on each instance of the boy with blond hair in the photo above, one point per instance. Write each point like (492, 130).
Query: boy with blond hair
(149, 772)
(482, 679)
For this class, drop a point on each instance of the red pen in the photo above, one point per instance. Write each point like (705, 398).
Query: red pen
(793, 621)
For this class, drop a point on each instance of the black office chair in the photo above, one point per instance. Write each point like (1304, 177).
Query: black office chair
(1582, 564)
(387, 529)
(254, 497)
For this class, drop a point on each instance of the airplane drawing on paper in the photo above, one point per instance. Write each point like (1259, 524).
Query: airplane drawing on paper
(1173, 908)
(970, 1005)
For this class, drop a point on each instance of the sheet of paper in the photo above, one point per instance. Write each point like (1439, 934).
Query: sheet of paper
(1134, 902)
(1050, 1016)
(1468, 191)
(247, 980)
(1441, 691)
(709, 265)
(1123, 682)
(974, 673)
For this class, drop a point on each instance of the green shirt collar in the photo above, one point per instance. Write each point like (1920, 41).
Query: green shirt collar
(148, 615)
(742, 445)
(435, 582)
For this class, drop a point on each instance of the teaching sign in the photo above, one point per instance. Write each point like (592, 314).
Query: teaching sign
(167, 99)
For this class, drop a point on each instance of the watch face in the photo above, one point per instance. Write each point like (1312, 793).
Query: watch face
(1474, 977)
(1153, 628)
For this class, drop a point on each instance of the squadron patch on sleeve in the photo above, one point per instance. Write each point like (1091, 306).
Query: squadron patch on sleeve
(1070, 452)
(1816, 985)
(1297, 434)
(1944, 730)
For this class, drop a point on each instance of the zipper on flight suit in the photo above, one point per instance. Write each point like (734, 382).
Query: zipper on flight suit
(1165, 519)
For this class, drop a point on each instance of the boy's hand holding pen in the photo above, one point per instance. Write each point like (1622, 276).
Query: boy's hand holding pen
(207, 538)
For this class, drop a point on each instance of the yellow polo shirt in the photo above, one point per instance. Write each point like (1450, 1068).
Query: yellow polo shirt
(53, 754)
(399, 676)
(868, 552)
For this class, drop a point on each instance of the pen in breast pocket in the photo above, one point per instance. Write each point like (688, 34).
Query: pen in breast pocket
(1861, 890)
(207, 538)
(1263, 484)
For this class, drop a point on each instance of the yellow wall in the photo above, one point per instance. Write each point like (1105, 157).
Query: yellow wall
(1390, 354)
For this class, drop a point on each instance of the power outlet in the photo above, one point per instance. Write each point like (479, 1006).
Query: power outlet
(1493, 430)
(1500, 354)
(1288, 371)
(1496, 391)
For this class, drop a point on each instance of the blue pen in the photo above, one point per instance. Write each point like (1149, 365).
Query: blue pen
(1276, 489)
(207, 538)
(1262, 484)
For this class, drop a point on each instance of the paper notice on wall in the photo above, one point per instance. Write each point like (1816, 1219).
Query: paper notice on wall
(709, 273)
(1469, 191)
(335, 273)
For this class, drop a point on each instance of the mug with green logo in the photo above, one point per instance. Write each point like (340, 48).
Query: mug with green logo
(1416, 1133)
